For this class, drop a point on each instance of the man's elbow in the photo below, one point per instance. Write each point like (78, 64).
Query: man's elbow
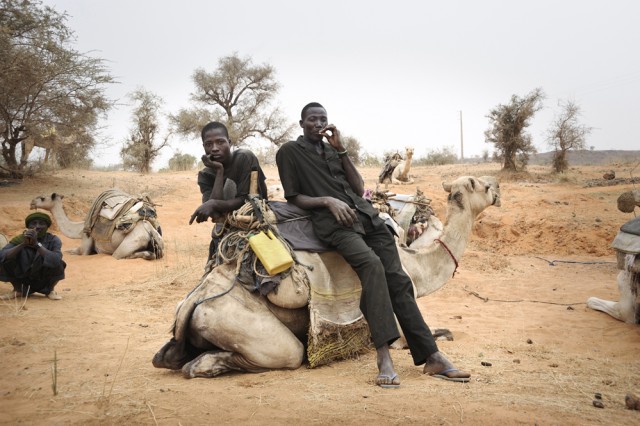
(293, 199)
(297, 201)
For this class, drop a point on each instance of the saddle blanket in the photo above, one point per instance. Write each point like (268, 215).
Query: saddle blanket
(294, 225)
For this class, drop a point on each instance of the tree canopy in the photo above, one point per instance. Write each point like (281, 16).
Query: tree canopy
(239, 94)
(44, 83)
(566, 133)
(507, 129)
(181, 162)
(141, 147)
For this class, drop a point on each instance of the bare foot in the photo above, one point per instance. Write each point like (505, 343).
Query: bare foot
(439, 366)
(387, 377)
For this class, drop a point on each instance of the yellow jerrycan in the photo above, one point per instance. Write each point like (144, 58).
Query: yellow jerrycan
(272, 253)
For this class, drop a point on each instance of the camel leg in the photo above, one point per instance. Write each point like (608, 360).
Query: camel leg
(249, 336)
(76, 251)
(215, 363)
(625, 309)
(606, 306)
(85, 248)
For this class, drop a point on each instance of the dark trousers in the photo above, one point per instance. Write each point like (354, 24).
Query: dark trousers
(386, 288)
(38, 279)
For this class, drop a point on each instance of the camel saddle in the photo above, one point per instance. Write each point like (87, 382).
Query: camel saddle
(627, 242)
(115, 209)
(294, 225)
(337, 328)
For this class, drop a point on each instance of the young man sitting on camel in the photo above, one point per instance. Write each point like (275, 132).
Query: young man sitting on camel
(225, 180)
(319, 176)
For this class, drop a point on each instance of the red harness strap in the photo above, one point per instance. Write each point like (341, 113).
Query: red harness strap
(450, 254)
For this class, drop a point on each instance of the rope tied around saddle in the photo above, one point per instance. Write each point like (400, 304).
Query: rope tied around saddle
(255, 220)
(114, 209)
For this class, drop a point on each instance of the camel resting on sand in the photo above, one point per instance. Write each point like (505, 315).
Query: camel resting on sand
(400, 175)
(627, 246)
(128, 226)
(390, 165)
(222, 327)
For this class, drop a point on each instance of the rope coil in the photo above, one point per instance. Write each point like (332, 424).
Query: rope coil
(237, 228)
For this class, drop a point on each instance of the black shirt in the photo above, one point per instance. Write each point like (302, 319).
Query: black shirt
(303, 171)
(243, 162)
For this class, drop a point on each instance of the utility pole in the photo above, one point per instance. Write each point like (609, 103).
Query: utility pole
(461, 140)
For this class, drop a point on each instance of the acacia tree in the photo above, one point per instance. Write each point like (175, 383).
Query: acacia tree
(44, 83)
(239, 94)
(181, 162)
(566, 133)
(508, 123)
(140, 149)
(353, 147)
(76, 154)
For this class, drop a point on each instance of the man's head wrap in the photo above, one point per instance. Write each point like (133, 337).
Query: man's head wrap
(38, 215)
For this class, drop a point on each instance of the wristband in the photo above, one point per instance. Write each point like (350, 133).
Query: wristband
(342, 154)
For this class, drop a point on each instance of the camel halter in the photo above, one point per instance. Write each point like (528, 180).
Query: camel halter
(450, 254)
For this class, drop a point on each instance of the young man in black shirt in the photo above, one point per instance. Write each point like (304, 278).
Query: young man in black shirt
(224, 182)
(319, 177)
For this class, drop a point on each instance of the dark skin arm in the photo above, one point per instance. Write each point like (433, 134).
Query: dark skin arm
(215, 206)
(218, 184)
(340, 210)
(30, 240)
(353, 176)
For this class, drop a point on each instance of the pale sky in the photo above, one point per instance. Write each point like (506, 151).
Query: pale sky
(391, 74)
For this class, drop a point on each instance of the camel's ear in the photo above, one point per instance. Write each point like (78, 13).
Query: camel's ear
(54, 196)
(446, 186)
(470, 184)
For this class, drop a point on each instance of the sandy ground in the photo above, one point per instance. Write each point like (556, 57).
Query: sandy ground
(507, 306)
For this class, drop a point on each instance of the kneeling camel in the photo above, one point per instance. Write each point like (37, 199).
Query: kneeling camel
(138, 238)
(226, 328)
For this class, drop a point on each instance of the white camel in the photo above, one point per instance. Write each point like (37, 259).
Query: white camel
(222, 327)
(627, 246)
(400, 175)
(139, 238)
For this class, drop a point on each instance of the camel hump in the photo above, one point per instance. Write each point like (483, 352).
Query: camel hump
(111, 206)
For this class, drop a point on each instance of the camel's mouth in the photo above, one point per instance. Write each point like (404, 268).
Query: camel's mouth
(496, 200)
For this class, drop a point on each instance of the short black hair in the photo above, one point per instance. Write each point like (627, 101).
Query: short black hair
(310, 105)
(214, 125)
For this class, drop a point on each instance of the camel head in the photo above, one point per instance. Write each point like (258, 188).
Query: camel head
(473, 194)
(409, 152)
(46, 202)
